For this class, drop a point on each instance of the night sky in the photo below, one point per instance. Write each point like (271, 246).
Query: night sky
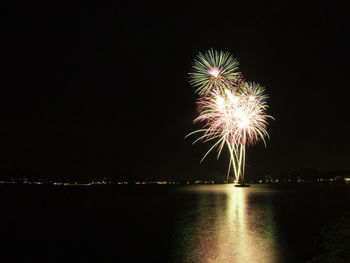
(91, 91)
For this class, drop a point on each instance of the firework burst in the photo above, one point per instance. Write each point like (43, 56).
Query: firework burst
(233, 113)
(214, 69)
(235, 117)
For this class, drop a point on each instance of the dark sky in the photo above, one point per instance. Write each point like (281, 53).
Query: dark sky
(91, 91)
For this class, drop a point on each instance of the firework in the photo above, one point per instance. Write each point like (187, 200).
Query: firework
(233, 114)
(214, 69)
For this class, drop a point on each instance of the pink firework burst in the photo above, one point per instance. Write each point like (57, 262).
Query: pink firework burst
(235, 117)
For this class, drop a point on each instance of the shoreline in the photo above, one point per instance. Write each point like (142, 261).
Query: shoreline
(333, 243)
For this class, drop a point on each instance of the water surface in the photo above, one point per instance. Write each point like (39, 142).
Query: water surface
(167, 223)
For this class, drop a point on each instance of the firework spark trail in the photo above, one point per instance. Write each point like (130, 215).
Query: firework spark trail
(233, 111)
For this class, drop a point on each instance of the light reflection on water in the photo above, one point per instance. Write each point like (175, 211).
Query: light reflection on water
(227, 225)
